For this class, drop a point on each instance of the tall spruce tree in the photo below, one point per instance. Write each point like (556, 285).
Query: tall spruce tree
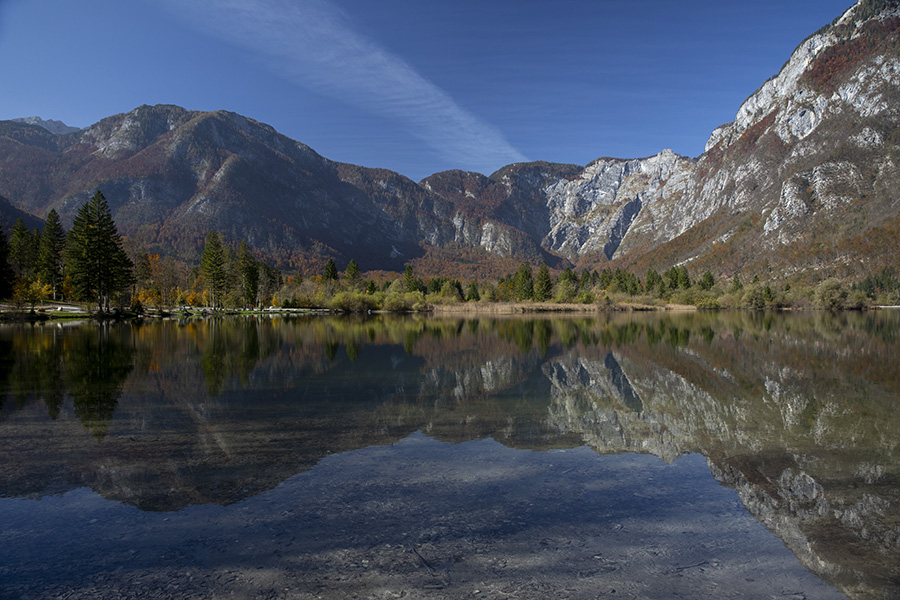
(410, 284)
(50, 252)
(523, 283)
(6, 273)
(352, 272)
(330, 273)
(212, 265)
(95, 259)
(21, 251)
(543, 285)
(249, 272)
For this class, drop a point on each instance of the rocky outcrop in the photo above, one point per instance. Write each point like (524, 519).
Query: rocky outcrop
(51, 125)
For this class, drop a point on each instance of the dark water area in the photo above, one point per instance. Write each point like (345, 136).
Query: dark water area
(697, 455)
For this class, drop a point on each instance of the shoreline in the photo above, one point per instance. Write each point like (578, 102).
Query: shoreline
(69, 312)
(514, 308)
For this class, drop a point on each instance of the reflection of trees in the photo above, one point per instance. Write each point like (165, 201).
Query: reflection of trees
(232, 348)
(89, 362)
(97, 364)
(33, 367)
(331, 349)
(542, 333)
(7, 363)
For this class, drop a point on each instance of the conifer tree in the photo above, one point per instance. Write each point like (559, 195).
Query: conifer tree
(143, 273)
(409, 280)
(352, 271)
(654, 281)
(50, 253)
(472, 294)
(249, 273)
(523, 282)
(21, 250)
(569, 276)
(684, 280)
(212, 265)
(543, 285)
(585, 282)
(6, 272)
(330, 273)
(95, 259)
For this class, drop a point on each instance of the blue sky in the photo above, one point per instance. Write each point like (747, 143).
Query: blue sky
(416, 86)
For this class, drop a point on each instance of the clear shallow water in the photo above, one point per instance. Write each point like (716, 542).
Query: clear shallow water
(638, 456)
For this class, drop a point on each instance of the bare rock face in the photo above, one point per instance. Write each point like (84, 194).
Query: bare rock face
(51, 125)
(809, 151)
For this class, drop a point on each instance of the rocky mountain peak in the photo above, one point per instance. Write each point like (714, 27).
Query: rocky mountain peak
(51, 125)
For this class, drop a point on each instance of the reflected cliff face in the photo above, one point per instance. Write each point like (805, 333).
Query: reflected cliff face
(798, 413)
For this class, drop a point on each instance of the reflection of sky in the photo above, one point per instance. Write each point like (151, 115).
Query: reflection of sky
(420, 513)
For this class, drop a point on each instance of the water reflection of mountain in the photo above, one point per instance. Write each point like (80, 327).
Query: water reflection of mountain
(798, 414)
(795, 412)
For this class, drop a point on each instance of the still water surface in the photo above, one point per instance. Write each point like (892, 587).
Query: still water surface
(627, 456)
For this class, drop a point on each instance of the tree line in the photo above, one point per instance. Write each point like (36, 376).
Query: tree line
(607, 286)
(86, 263)
(89, 263)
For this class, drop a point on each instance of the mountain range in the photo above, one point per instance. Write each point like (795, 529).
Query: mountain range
(801, 184)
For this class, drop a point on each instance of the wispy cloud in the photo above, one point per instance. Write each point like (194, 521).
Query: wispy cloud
(313, 43)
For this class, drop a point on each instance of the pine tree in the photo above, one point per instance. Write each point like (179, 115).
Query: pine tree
(6, 272)
(249, 272)
(50, 253)
(654, 281)
(569, 276)
(409, 280)
(95, 259)
(585, 281)
(212, 265)
(330, 273)
(143, 273)
(21, 250)
(543, 285)
(523, 283)
(472, 294)
(606, 277)
(684, 279)
(352, 273)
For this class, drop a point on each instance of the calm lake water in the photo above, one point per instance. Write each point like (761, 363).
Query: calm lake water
(697, 455)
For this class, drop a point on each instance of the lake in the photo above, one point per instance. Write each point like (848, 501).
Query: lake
(633, 455)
